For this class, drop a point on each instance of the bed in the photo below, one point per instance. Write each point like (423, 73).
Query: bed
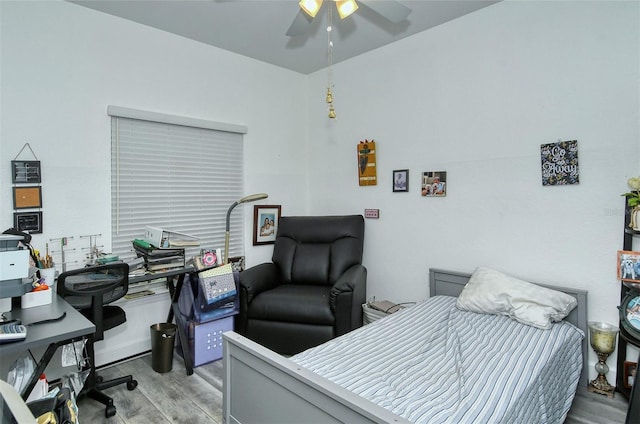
(470, 383)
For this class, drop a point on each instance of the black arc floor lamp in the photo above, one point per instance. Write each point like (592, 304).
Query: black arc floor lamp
(246, 199)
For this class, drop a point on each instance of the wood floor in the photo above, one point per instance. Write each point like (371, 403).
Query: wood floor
(174, 397)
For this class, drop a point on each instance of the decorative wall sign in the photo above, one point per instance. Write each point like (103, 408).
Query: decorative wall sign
(30, 222)
(265, 223)
(401, 180)
(27, 197)
(367, 174)
(372, 213)
(25, 171)
(434, 184)
(560, 163)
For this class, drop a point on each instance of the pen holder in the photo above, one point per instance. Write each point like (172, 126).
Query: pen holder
(49, 275)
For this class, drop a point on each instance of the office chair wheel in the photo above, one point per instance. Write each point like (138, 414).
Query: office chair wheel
(110, 411)
(132, 384)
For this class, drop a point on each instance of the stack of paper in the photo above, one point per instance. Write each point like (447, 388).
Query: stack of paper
(159, 259)
(159, 237)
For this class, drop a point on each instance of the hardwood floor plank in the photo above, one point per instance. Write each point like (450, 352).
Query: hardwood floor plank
(174, 397)
(594, 408)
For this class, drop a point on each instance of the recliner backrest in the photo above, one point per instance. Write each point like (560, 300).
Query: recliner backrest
(316, 250)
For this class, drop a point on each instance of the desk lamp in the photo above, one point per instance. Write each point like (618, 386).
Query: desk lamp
(246, 199)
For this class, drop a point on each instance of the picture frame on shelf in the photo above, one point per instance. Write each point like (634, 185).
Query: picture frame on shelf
(237, 263)
(28, 197)
(628, 266)
(28, 222)
(401, 180)
(265, 223)
(629, 371)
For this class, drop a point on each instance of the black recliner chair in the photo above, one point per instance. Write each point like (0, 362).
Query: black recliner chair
(90, 290)
(313, 289)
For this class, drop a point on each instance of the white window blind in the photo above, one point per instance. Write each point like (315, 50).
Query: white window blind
(178, 174)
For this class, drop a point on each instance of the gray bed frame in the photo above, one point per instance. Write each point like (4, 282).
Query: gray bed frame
(262, 387)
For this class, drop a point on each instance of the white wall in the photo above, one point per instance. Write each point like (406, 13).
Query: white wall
(62, 64)
(476, 97)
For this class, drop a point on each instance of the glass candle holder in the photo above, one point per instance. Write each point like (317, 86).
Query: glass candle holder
(603, 341)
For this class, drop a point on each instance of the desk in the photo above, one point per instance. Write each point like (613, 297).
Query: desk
(72, 327)
(174, 290)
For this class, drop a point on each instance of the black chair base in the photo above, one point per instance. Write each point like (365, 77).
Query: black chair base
(96, 393)
(90, 290)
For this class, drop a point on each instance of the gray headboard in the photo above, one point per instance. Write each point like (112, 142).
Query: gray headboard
(451, 283)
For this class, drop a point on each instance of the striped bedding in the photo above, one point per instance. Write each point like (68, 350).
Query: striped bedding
(432, 363)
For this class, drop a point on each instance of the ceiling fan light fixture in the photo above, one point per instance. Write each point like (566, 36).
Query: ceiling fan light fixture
(346, 7)
(310, 7)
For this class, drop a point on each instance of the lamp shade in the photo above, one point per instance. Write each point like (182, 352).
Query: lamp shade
(253, 197)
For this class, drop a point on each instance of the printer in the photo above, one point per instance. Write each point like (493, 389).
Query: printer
(14, 267)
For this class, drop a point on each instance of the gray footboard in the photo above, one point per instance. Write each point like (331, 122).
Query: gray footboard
(263, 387)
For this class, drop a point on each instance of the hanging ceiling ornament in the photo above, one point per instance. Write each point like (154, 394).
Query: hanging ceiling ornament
(329, 97)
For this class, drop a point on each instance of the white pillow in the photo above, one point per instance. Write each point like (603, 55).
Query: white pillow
(492, 292)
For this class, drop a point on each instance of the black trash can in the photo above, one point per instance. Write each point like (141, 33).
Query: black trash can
(163, 337)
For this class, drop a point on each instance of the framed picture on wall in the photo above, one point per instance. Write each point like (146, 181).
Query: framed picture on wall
(27, 197)
(434, 184)
(29, 222)
(401, 180)
(265, 223)
(25, 171)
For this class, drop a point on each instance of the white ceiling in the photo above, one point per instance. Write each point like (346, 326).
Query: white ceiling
(257, 28)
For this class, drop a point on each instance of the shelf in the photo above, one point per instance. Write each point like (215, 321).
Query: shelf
(634, 287)
(624, 391)
(624, 334)
(631, 231)
(624, 337)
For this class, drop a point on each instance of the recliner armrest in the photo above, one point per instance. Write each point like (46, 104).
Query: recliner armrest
(257, 279)
(354, 279)
(346, 299)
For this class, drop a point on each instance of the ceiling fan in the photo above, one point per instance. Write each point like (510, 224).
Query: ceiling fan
(390, 10)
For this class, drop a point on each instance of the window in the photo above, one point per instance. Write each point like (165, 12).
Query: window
(175, 173)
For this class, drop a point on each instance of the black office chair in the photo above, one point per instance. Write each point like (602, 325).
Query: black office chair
(90, 290)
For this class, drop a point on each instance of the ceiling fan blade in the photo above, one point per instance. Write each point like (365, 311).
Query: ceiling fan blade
(300, 24)
(390, 10)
